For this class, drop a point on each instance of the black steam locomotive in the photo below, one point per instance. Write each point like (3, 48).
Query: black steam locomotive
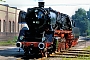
(40, 36)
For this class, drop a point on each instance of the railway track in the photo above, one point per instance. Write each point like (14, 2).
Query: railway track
(67, 54)
(74, 53)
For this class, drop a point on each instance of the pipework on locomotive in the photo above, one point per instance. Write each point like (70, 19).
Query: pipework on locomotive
(48, 31)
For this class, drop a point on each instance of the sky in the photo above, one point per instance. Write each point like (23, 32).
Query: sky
(64, 6)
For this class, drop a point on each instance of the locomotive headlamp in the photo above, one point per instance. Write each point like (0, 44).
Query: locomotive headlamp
(21, 37)
(41, 45)
(36, 22)
(33, 22)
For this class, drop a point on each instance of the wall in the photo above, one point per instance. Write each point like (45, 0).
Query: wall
(9, 26)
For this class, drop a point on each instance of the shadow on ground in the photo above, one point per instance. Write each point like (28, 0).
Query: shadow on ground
(13, 52)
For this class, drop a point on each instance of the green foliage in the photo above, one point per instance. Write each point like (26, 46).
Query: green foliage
(78, 58)
(87, 48)
(82, 20)
(3, 0)
(88, 15)
(9, 42)
(15, 39)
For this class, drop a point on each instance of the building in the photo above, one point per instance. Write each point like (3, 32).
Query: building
(9, 26)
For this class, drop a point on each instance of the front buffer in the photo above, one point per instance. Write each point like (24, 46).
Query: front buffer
(34, 48)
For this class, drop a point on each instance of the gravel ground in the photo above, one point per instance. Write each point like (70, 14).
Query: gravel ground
(82, 43)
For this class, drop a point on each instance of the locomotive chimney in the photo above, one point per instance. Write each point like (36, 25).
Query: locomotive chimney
(41, 4)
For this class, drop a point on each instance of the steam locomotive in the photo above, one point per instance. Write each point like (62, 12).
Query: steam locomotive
(48, 31)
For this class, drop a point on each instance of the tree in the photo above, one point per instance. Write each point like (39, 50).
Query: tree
(88, 17)
(88, 14)
(81, 20)
(3, 0)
